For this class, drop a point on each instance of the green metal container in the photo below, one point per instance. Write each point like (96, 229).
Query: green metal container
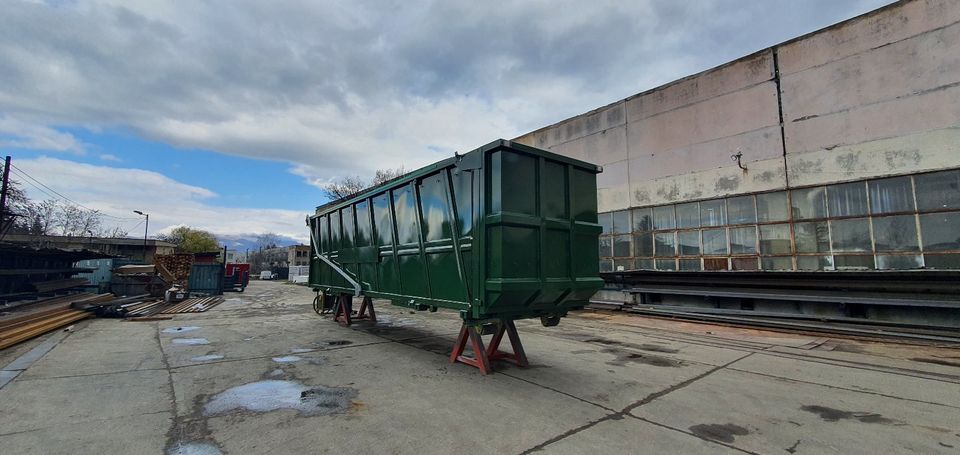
(504, 232)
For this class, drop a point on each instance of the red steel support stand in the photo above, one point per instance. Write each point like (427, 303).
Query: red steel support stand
(367, 307)
(344, 307)
(482, 357)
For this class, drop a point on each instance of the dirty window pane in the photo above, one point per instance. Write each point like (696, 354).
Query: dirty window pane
(938, 191)
(689, 243)
(690, 264)
(895, 233)
(666, 264)
(858, 262)
(643, 264)
(848, 199)
(643, 244)
(688, 215)
(740, 210)
(904, 262)
(715, 241)
(606, 222)
(621, 246)
(776, 263)
(743, 240)
(663, 217)
(775, 239)
(665, 244)
(851, 235)
(606, 246)
(941, 261)
(606, 265)
(772, 207)
(809, 203)
(891, 195)
(642, 220)
(715, 263)
(812, 237)
(620, 265)
(621, 222)
(940, 231)
(744, 264)
(713, 213)
(814, 262)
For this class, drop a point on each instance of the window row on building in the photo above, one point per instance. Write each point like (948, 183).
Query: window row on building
(906, 222)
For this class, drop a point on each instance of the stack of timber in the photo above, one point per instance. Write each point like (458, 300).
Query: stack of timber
(195, 305)
(42, 318)
(175, 268)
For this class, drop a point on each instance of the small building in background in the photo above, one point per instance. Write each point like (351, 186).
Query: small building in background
(298, 255)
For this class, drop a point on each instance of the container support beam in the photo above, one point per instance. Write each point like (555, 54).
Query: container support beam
(482, 357)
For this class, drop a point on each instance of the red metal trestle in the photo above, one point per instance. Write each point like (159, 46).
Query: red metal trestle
(482, 357)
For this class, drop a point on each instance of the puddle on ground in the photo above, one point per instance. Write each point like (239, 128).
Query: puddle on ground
(275, 373)
(194, 448)
(833, 415)
(179, 329)
(190, 341)
(206, 358)
(719, 432)
(270, 395)
(287, 359)
(300, 350)
(248, 339)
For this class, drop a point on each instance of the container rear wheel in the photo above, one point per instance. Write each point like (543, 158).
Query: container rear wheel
(550, 321)
(318, 302)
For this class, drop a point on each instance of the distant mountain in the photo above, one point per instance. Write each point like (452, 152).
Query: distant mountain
(245, 242)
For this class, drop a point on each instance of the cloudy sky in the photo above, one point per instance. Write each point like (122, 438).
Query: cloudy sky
(227, 115)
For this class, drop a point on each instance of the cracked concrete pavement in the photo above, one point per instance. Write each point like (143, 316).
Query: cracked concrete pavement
(262, 366)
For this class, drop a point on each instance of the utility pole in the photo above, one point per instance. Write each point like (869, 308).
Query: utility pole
(4, 189)
(145, 228)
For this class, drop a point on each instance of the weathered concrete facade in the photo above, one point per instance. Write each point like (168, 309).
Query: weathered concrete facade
(875, 96)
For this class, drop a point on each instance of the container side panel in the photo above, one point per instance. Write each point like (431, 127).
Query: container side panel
(556, 262)
(513, 183)
(583, 195)
(554, 190)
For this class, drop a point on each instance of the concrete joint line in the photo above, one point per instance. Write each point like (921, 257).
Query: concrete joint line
(626, 411)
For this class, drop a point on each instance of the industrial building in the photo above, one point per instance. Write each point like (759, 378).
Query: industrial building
(835, 151)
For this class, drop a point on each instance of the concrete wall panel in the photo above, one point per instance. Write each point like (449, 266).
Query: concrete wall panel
(885, 26)
(712, 83)
(908, 67)
(932, 110)
(924, 151)
(605, 147)
(747, 110)
(760, 176)
(616, 198)
(756, 145)
(613, 175)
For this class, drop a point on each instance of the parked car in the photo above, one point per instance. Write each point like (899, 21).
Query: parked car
(268, 275)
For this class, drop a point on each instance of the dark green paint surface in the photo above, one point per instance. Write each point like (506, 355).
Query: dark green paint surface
(503, 232)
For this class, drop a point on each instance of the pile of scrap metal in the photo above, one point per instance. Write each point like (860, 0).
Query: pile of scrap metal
(28, 274)
(43, 316)
(47, 315)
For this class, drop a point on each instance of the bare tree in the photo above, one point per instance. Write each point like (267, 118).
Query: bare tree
(36, 218)
(347, 186)
(267, 240)
(117, 232)
(75, 221)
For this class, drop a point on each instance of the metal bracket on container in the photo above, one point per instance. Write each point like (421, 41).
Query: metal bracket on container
(316, 251)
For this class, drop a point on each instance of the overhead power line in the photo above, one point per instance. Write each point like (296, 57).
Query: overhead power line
(57, 195)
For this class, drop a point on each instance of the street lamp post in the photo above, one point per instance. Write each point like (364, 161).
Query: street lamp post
(145, 228)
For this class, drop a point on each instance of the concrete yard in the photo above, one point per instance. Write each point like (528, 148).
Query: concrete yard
(262, 373)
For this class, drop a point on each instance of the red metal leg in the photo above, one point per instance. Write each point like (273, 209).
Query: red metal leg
(479, 359)
(518, 357)
(482, 357)
(366, 310)
(344, 308)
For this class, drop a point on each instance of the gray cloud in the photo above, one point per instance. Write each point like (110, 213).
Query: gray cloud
(334, 87)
